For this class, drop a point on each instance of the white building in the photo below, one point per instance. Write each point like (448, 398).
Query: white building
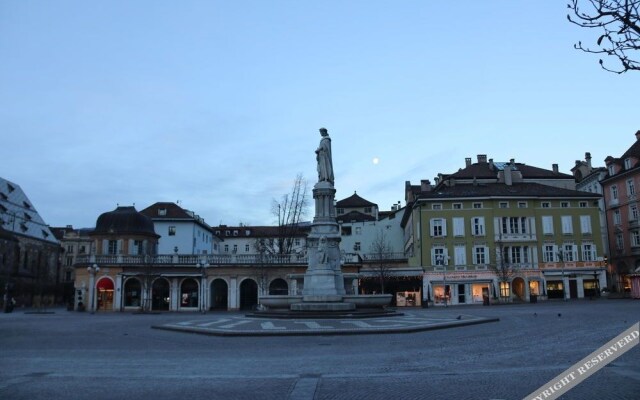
(181, 231)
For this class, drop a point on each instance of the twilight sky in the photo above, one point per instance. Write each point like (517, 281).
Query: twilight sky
(218, 103)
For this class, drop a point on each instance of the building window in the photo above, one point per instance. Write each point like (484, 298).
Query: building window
(235, 248)
(505, 289)
(503, 204)
(367, 210)
(457, 206)
(162, 212)
(635, 239)
(439, 256)
(633, 212)
(69, 248)
(582, 204)
(546, 204)
(340, 211)
(549, 253)
(514, 225)
(172, 231)
(458, 226)
(356, 246)
(614, 192)
(631, 189)
(112, 248)
(522, 204)
(627, 163)
(358, 230)
(69, 261)
(617, 219)
(564, 204)
(477, 205)
(612, 170)
(478, 226)
(479, 255)
(82, 249)
(585, 224)
(297, 242)
(138, 247)
(589, 251)
(567, 225)
(436, 206)
(619, 242)
(247, 248)
(226, 248)
(438, 227)
(568, 252)
(460, 255)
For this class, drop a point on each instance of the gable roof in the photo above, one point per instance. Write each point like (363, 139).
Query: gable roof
(355, 201)
(169, 211)
(489, 170)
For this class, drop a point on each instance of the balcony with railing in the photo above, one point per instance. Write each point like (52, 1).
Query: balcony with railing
(194, 259)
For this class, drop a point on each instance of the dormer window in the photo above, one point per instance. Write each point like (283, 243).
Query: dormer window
(627, 163)
(27, 205)
(612, 170)
(10, 187)
(162, 212)
(235, 233)
(27, 217)
(4, 196)
(23, 227)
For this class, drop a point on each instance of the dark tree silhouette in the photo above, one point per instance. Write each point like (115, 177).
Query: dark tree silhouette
(619, 26)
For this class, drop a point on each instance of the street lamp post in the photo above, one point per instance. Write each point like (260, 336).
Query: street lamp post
(93, 270)
(202, 264)
(561, 260)
(440, 262)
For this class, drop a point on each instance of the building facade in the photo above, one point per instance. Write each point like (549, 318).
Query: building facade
(503, 231)
(181, 231)
(32, 270)
(620, 187)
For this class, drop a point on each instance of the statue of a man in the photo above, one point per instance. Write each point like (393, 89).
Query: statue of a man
(323, 156)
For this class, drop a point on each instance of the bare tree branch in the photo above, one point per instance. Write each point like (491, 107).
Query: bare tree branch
(620, 26)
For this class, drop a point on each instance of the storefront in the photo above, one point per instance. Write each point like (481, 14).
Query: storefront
(458, 287)
(405, 286)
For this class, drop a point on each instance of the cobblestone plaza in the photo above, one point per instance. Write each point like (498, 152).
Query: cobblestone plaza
(71, 355)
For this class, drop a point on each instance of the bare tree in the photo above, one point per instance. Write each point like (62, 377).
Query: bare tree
(503, 269)
(380, 252)
(619, 24)
(289, 211)
(262, 272)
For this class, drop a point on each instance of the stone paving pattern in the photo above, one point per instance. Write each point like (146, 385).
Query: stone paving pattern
(69, 355)
(239, 325)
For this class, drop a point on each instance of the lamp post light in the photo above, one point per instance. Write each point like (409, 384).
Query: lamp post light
(203, 265)
(440, 262)
(93, 270)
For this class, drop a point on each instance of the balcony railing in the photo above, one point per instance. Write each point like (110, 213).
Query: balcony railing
(192, 260)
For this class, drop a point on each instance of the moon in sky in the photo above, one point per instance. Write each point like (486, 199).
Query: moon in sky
(375, 160)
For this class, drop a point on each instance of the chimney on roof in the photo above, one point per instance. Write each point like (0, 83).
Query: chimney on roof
(587, 157)
(482, 158)
(436, 180)
(425, 185)
(555, 168)
(508, 180)
(467, 161)
(491, 166)
(638, 135)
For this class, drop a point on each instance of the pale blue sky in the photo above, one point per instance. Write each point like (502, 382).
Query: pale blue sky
(218, 103)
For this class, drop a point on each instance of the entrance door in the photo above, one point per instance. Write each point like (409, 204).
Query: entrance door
(219, 295)
(573, 288)
(461, 294)
(248, 294)
(160, 295)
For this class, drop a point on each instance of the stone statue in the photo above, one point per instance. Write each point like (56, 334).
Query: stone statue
(322, 250)
(323, 156)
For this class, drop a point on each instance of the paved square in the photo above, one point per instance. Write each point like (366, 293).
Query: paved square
(69, 355)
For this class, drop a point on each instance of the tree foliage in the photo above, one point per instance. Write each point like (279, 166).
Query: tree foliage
(619, 25)
(289, 211)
